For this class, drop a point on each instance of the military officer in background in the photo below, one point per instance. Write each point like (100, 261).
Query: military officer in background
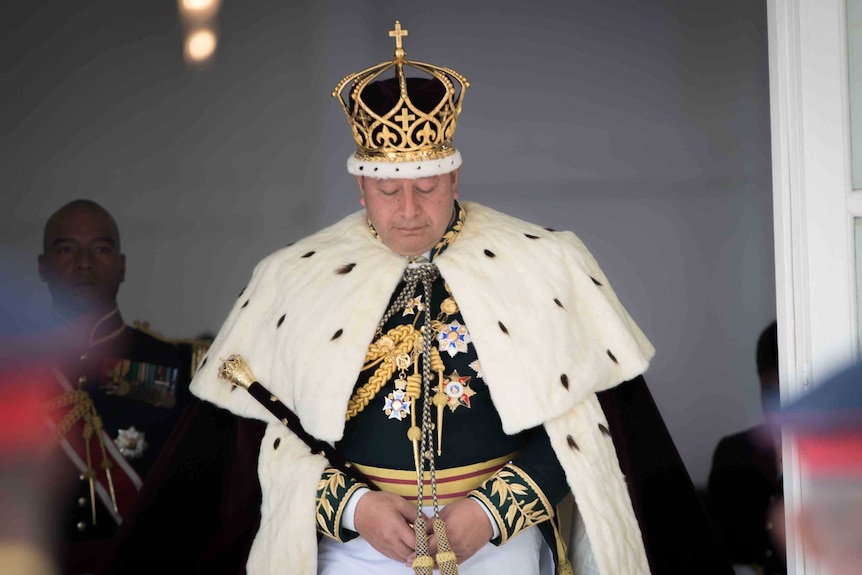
(119, 391)
(473, 367)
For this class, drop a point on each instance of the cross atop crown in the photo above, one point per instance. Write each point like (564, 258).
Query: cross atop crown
(398, 33)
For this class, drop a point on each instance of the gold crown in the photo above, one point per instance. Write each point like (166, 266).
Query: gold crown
(404, 133)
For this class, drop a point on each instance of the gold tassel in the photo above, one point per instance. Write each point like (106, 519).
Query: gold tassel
(439, 397)
(90, 474)
(106, 463)
(564, 566)
(423, 564)
(446, 559)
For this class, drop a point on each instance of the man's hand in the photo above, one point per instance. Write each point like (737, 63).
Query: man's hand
(467, 528)
(382, 519)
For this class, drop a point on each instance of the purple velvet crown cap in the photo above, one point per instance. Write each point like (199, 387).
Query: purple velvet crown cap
(382, 95)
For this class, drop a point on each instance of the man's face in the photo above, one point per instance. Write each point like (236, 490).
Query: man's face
(410, 215)
(82, 263)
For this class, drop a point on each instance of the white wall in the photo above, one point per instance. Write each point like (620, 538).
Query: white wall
(642, 126)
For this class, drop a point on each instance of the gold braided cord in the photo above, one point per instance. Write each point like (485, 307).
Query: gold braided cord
(436, 360)
(67, 398)
(405, 336)
(397, 335)
(414, 386)
(83, 407)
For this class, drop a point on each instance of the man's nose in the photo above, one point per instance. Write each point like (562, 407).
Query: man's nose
(409, 204)
(84, 260)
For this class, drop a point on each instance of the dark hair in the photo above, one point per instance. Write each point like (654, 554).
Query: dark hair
(767, 349)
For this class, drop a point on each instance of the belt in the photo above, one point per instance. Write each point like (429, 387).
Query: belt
(452, 484)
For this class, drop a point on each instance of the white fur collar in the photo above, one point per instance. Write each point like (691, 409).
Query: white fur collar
(547, 327)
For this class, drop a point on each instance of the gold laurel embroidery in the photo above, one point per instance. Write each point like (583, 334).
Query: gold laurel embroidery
(330, 482)
(519, 514)
(449, 237)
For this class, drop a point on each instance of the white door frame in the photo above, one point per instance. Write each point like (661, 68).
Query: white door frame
(814, 206)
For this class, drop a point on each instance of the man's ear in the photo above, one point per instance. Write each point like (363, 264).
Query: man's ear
(360, 180)
(41, 263)
(455, 173)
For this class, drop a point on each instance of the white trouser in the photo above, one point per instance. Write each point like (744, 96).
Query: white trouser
(525, 554)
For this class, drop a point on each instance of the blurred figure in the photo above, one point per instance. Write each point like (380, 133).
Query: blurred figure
(827, 425)
(117, 392)
(746, 479)
(27, 485)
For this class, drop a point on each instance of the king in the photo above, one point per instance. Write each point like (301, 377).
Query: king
(477, 369)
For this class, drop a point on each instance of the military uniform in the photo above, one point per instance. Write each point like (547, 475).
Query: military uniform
(132, 387)
(472, 448)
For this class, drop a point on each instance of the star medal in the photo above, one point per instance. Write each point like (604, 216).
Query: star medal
(130, 442)
(453, 338)
(458, 391)
(415, 302)
(397, 405)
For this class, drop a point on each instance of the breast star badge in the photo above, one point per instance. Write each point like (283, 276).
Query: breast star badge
(458, 391)
(453, 338)
(131, 442)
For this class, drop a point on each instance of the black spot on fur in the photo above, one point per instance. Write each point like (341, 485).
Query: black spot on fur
(604, 429)
(551, 229)
(242, 291)
(337, 334)
(559, 303)
(532, 237)
(204, 362)
(308, 255)
(503, 327)
(595, 281)
(613, 357)
(345, 269)
(571, 441)
(280, 321)
(276, 443)
(490, 254)
(245, 304)
(564, 379)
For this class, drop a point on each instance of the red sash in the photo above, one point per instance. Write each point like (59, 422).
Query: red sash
(126, 481)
